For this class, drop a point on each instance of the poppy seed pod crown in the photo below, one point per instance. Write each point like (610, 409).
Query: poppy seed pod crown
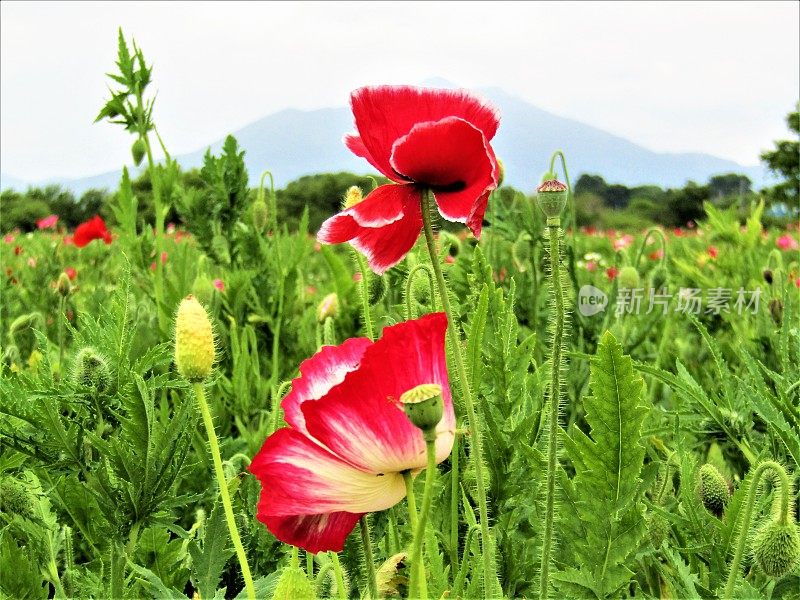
(552, 198)
(194, 341)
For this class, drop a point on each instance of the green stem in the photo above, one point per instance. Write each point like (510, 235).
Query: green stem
(554, 231)
(409, 287)
(200, 394)
(61, 316)
(276, 405)
(364, 287)
(155, 182)
(560, 154)
(393, 539)
(366, 542)
(743, 522)
(650, 232)
(417, 563)
(472, 417)
(310, 565)
(341, 593)
(412, 503)
(276, 333)
(454, 455)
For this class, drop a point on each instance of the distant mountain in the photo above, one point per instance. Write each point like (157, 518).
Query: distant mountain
(292, 143)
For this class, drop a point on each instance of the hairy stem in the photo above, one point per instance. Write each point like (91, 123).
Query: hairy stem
(213, 444)
(417, 563)
(554, 230)
(476, 445)
(364, 288)
(743, 522)
(61, 316)
(454, 506)
(366, 542)
(341, 593)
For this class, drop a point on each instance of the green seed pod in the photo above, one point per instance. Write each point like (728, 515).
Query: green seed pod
(628, 278)
(258, 215)
(377, 289)
(424, 407)
(712, 489)
(293, 585)
(659, 278)
(91, 370)
(15, 499)
(552, 198)
(203, 289)
(138, 151)
(776, 548)
(658, 529)
(219, 246)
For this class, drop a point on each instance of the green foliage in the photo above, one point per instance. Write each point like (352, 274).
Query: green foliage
(602, 512)
(784, 161)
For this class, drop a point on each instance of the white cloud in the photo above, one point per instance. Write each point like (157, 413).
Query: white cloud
(706, 77)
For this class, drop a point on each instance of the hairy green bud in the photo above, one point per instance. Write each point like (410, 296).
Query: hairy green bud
(203, 289)
(659, 278)
(658, 529)
(194, 341)
(377, 289)
(15, 498)
(521, 253)
(219, 246)
(768, 276)
(63, 285)
(712, 489)
(501, 172)
(776, 548)
(258, 215)
(293, 584)
(628, 278)
(91, 370)
(552, 198)
(776, 310)
(138, 150)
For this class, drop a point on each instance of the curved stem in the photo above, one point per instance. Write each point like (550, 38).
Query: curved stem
(560, 154)
(472, 417)
(276, 405)
(650, 232)
(410, 281)
(61, 316)
(364, 287)
(554, 231)
(417, 564)
(366, 542)
(743, 523)
(213, 444)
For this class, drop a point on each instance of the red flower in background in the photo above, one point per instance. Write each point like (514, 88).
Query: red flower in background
(421, 139)
(611, 273)
(71, 273)
(348, 439)
(47, 222)
(713, 252)
(93, 229)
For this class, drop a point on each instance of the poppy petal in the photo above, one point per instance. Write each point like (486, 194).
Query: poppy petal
(356, 145)
(300, 477)
(385, 113)
(313, 533)
(384, 240)
(361, 419)
(319, 374)
(454, 158)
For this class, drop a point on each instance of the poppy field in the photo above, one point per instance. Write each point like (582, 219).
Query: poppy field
(448, 390)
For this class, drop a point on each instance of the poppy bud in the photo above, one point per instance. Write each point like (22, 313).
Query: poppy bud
(15, 498)
(138, 151)
(424, 407)
(258, 215)
(712, 489)
(219, 245)
(11, 355)
(628, 278)
(658, 529)
(353, 196)
(552, 197)
(377, 289)
(501, 172)
(203, 289)
(521, 253)
(293, 584)
(91, 370)
(776, 548)
(768, 276)
(328, 307)
(63, 285)
(659, 278)
(194, 341)
(776, 310)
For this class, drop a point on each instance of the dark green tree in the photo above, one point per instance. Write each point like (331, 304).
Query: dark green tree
(729, 184)
(784, 161)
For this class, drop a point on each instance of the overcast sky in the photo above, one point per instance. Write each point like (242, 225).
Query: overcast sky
(707, 77)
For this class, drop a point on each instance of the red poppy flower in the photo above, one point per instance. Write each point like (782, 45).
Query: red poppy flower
(93, 229)
(420, 138)
(348, 439)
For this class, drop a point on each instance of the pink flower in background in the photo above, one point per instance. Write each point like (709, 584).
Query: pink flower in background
(9, 238)
(449, 259)
(656, 254)
(623, 242)
(71, 273)
(32, 262)
(68, 241)
(591, 266)
(356, 277)
(219, 284)
(713, 252)
(170, 228)
(786, 242)
(311, 290)
(690, 224)
(797, 282)
(47, 222)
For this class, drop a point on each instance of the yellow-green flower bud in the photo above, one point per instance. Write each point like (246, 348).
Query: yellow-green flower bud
(194, 341)
(628, 278)
(259, 214)
(138, 151)
(501, 172)
(776, 548)
(328, 308)
(203, 289)
(63, 285)
(353, 196)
